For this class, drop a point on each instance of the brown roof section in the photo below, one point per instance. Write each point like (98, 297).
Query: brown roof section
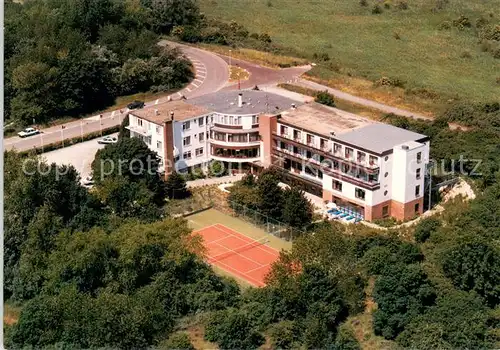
(161, 113)
(323, 120)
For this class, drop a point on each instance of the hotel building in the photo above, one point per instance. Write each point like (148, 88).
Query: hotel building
(372, 168)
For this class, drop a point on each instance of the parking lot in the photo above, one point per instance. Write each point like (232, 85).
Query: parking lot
(80, 156)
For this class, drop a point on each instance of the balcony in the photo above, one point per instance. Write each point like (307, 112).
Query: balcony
(335, 173)
(234, 143)
(235, 155)
(326, 152)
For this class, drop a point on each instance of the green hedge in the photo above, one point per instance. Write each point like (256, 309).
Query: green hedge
(70, 142)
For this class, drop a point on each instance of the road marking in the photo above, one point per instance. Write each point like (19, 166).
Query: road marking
(179, 93)
(195, 85)
(156, 102)
(201, 74)
(196, 79)
(188, 89)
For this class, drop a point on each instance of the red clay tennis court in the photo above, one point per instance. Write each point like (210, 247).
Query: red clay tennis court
(238, 254)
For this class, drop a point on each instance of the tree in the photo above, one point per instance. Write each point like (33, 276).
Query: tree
(170, 13)
(231, 329)
(284, 334)
(475, 266)
(325, 98)
(402, 293)
(425, 228)
(270, 195)
(131, 159)
(216, 169)
(458, 321)
(176, 186)
(297, 209)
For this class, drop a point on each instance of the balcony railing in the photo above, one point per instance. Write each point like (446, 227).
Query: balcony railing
(335, 173)
(338, 156)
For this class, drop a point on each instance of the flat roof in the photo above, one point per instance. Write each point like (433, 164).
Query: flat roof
(348, 128)
(161, 113)
(379, 137)
(323, 120)
(254, 102)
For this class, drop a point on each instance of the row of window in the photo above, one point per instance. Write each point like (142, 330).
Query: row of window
(186, 141)
(220, 136)
(201, 121)
(233, 120)
(360, 194)
(187, 155)
(141, 123)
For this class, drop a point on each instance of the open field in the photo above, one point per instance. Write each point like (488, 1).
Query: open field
(404, 45)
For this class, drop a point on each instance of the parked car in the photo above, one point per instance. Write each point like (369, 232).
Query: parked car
(135, 105)
(88, 182)
(28, 132)
(107, 140)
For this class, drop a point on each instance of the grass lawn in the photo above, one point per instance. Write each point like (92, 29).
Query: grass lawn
(399, 44)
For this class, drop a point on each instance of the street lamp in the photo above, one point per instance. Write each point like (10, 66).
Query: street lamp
(230, 53)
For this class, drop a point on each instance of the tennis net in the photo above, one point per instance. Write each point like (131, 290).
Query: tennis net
(245, 247)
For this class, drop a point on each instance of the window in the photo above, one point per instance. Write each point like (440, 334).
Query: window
(201, 136)
(323, 144)
(386, 174)
(187, 155)
(373, 160)
(200, 121)
(337, 185)
(419, 157)
(176, 159)
(417, 190)
(159, 144)
(283, 130)
(385, 211)
(310, 139)
(385, 193)
(361, 157)
(417, 175)
(158, 129)
(337, 148)
(186, 125)
(199, 151)
(139, 122)
(359, 193)
(349, 152)
(417, 208)
(226, 119)
(386, 158)
(255, 119)
(296, 135)
(186, 141)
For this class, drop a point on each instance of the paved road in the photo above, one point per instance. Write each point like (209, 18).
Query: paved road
(212, 74)
(361, 101)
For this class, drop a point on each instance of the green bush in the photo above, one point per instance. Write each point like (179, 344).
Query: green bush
(377, 10)
(425, 228)
(325, 98)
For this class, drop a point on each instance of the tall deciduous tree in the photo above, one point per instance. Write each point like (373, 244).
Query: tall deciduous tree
(270, 195)
(297, 209)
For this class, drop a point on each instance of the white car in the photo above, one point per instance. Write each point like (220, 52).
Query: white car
(28, 132)
(108, 139)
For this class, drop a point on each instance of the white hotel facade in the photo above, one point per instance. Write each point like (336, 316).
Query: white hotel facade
(372, 168)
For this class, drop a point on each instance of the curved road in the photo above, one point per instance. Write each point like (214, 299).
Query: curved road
(211, 75)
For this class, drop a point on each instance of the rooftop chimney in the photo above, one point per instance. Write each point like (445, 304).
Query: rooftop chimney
(156, 112)
(172, 115)
(293, 106)
(405, 147)
(240, 100)
(169, 98)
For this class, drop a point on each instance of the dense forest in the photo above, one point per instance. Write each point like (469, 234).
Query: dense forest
(67, 58)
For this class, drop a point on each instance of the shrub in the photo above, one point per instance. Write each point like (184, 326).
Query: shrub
(462, 22)
(363, 3)
(444, 25)
(325, 98)
(396, 36)
(216, 169)
(284, 334)
(178, 341)
(466, 54)
(387, 5)
(377, 10)
(425, 228)
(265, 38)
(321, 56)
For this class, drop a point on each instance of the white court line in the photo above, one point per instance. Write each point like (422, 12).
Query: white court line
(230, 270)
(259, 247)
(257, 268)
(234, 253)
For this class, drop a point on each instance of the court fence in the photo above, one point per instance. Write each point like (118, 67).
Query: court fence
(264, 222)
